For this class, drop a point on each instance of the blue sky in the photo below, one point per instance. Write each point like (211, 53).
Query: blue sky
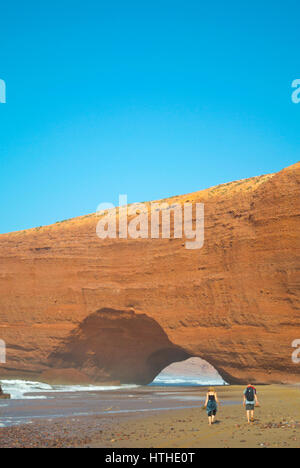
(151, 99)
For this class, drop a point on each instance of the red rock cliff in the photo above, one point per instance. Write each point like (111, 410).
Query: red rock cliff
(125, 309)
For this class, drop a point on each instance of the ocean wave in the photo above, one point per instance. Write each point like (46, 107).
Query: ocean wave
(186, 381)
(19, 389)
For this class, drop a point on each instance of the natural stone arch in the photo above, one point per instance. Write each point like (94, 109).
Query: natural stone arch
(114, 345)
(117, 345)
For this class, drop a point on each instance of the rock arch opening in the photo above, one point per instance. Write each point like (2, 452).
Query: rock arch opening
(191, 371)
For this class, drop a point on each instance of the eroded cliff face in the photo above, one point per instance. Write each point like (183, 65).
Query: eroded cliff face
(125, 309)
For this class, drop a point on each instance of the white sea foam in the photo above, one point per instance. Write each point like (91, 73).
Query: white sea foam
(19, 389)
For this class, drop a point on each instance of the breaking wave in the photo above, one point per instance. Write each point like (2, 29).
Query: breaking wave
(25, 389)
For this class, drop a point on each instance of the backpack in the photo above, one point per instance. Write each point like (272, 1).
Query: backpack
(250, 394)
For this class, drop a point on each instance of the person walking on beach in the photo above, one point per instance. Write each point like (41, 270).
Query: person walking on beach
(211, 405)
(250, 401)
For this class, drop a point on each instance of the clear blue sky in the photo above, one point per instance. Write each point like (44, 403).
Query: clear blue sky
(151, 99)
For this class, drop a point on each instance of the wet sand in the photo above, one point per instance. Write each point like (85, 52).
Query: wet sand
(158, 417)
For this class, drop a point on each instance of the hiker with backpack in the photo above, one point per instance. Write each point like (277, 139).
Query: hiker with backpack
(211, 405)
(250, 401)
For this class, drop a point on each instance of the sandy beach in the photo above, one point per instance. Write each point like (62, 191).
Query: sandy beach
(155, 417)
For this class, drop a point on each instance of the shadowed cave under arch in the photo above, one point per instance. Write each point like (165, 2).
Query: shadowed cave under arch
(117, 345)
